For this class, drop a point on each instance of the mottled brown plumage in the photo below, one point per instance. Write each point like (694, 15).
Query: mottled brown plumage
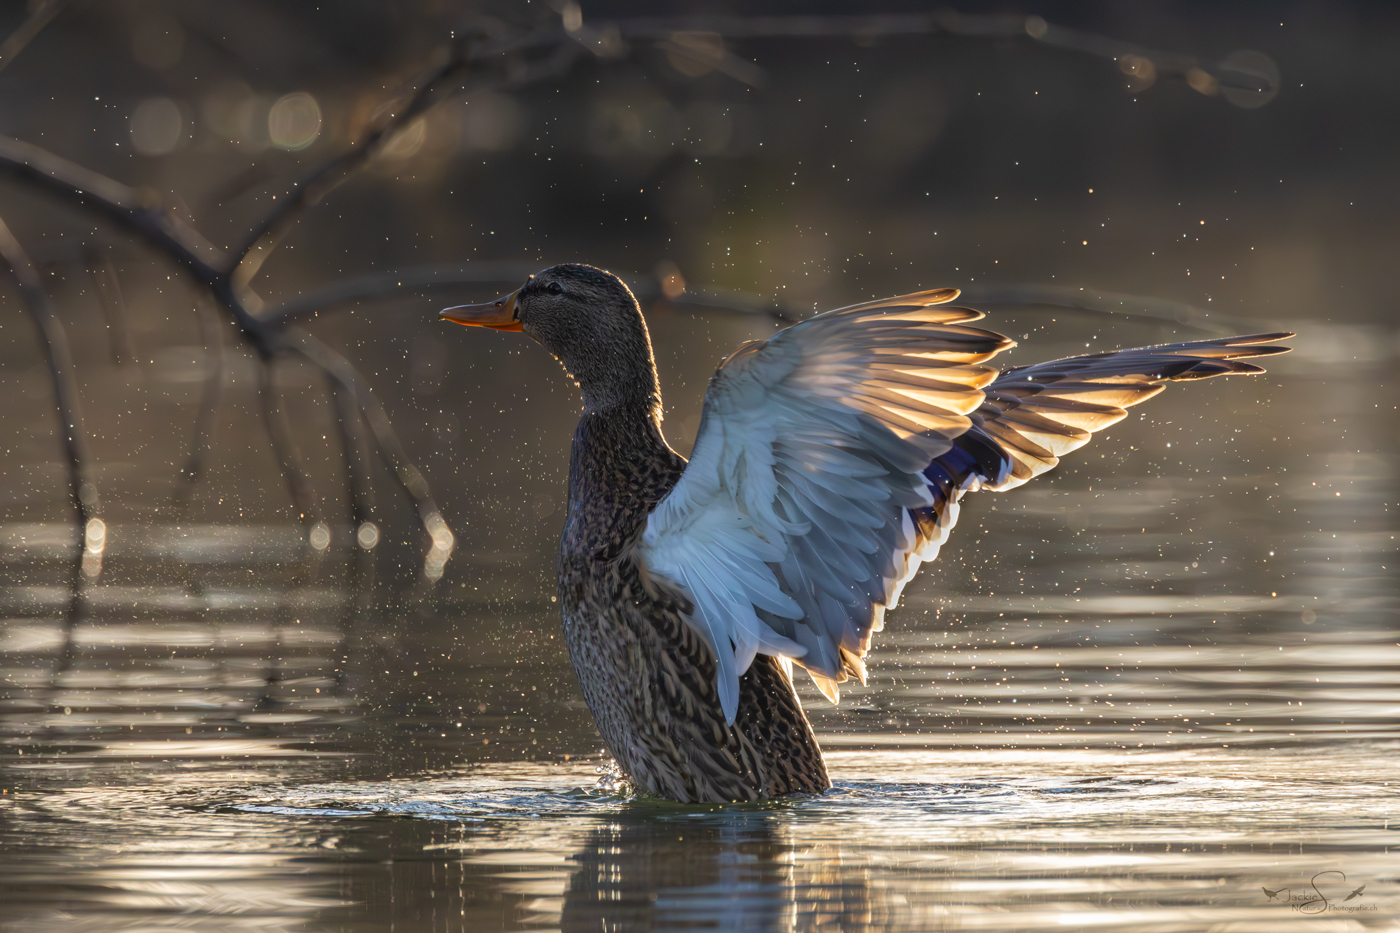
(646, 675)
(837, 453)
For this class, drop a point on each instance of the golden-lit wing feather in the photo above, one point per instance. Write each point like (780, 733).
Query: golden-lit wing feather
(1036, 414)
(791, 528)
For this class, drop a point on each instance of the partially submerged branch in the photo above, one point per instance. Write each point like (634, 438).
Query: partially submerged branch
(54, 341)
(391, 451)
(210, 393)
(354, 448)
(185, 245)
(108, 286)
(284, 444)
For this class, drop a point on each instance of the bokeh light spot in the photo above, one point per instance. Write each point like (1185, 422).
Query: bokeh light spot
(294, 121)
(157, 126)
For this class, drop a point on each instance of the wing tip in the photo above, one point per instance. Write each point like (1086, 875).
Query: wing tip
(935, 296)
(826, 685)
(923, 299)
(1245, 340)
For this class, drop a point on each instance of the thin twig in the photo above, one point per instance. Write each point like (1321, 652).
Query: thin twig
(185, 245)
(391, 450)
(398, 283)
(866, 29)
(54, 341)
(210, 394)
(39, 17)
(108, 286)
(722, 299)
(127, 206)
(255, 249)
(279, 434)
(265, 237)
(354, 451)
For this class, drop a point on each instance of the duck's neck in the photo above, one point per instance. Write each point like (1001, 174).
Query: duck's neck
(619, 468)
(621, 464)
(617, 376)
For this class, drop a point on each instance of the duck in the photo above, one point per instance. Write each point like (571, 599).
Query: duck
(829, 464)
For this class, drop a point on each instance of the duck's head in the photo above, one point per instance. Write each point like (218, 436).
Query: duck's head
(589, 319)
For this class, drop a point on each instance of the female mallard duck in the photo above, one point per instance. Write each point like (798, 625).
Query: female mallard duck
(828, 466)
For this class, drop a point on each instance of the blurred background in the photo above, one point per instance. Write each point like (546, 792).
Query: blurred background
(813, 171)
(1094, 175)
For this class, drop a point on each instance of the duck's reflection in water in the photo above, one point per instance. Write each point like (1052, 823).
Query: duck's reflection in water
(712, 869)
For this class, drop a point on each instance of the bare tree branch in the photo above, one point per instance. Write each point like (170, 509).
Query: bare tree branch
(416, 279)
(39, 17)
(54, 341)
(462, 60)
(210, 394)
(127, 206)
(391, 450)
(284, 445)
(354, 450)
(185, 245)
(108, 286)
(867, 29)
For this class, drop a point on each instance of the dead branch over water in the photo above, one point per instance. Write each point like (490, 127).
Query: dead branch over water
(62, 375)
(483, 55)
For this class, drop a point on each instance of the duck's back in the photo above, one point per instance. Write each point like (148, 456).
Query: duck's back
(646, 675)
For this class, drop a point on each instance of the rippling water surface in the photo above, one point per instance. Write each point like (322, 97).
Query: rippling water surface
(1003, 840)
(1159, 690)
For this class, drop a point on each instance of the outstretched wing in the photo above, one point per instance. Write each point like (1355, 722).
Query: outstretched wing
(831, 458)
(1033, 415)
(793, 525)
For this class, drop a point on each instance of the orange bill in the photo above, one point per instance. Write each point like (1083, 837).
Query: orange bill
(497, 315)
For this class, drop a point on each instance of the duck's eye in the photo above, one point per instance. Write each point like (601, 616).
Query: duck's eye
(554, 288)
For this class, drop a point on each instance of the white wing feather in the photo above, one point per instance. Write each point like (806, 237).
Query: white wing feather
(791, 528)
